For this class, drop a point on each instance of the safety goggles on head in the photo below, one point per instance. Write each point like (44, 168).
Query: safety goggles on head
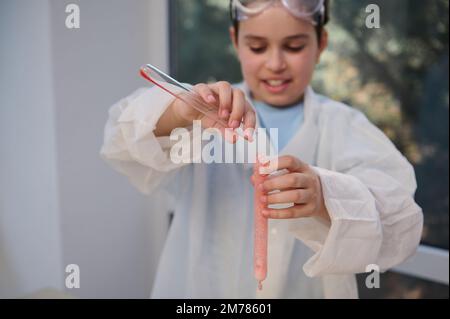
(310, 10)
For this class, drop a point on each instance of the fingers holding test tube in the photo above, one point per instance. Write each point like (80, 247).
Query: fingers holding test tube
(300, 186)
(224, 91)
(233, 107)
(216, 105)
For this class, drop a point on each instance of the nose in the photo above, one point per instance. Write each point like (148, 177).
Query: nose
(276, 62)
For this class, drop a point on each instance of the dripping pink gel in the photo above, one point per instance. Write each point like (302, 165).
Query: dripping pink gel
(260, 231)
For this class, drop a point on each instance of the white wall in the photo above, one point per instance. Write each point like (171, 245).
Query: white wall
(60, 204)
(30, 237)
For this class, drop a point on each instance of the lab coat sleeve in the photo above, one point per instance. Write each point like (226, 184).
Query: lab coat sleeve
(131, 147)
(368, 191)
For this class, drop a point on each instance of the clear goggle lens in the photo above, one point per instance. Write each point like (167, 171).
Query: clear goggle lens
(298, 8)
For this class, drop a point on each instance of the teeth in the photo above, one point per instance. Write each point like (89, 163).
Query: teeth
(275, 82)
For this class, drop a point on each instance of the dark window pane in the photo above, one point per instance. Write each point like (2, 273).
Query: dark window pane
(201, 50)
(398, 76)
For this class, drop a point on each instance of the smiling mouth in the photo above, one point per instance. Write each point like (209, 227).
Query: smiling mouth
(276, 86)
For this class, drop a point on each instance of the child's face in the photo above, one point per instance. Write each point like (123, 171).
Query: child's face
(278, 54)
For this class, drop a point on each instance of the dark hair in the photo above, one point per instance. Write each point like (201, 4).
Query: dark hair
(322, 20)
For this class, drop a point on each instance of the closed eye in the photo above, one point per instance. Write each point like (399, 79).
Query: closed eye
(295, 48)
(258, 49)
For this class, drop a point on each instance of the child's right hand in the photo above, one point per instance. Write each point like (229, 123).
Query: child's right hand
(232, 107)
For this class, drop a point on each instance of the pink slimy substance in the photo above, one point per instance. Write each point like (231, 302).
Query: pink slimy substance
(260, 231)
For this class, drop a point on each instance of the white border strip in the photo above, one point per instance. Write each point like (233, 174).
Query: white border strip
(428, 263)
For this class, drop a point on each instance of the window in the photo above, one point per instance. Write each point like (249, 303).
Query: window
(397, 75)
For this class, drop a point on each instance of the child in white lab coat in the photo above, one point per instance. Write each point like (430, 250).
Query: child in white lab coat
(352, 191)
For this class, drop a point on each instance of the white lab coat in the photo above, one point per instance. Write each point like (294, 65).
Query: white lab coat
(368, 188)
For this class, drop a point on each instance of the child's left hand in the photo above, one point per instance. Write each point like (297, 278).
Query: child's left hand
(301, 186)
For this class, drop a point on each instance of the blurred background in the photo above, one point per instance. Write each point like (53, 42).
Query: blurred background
(60, 204)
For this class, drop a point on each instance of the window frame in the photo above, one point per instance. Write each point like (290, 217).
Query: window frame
(429, 263)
